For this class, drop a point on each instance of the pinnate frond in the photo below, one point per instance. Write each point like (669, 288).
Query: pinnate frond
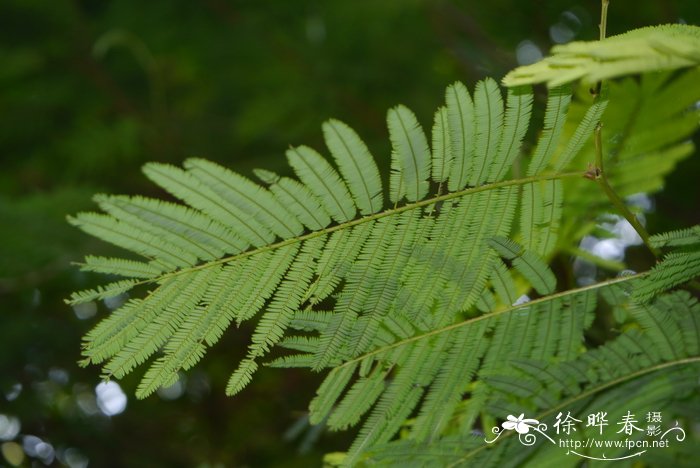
(419, 309)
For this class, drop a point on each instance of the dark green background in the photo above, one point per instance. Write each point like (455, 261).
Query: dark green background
(91, 90)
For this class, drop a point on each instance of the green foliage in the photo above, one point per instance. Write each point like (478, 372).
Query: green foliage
(644, 50)
(646, 133)
(417, 307)
(680, 265)
(644, 368)
(373, 255)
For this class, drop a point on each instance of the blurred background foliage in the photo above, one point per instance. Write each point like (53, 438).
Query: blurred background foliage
(90, 90)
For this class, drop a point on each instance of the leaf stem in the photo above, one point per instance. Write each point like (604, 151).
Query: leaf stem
(365, 219)
(600, 175)
(601, 178)
(490, 315)
(603, 28)
(603, 18)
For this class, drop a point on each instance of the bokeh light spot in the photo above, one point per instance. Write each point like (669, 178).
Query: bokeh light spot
(74, 458)
(116, 301)
(110, 398)
(9, 427)
(13, 453)
(174, 391)
(85, 310)
(527, 52)
(13, 392)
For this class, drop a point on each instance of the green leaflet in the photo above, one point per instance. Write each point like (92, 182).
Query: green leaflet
(680, 265)
(328, 392)
(584, 131)
(460, 114)
(539, 215)
(488, 112)
(397, 402)
(554, 118)
(356, 165)
(680, 238)
(527, 263)
(288, 297)
(189, 230)
(298, 199)
(120, 266)
(323, 181)
(442, 147)
(450, 383)
(410, 158)
(125, 235)
(516, 121)
(186, 187)
(253, 200)
(359, 399)
(104, 291)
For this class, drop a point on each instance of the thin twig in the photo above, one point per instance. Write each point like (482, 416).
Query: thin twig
(603, 18)
(600, 176)
(614, 198)
(602, 27)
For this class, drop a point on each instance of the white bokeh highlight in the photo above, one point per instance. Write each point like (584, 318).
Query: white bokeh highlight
(110, 398)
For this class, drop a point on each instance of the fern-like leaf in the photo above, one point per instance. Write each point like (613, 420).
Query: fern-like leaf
(413, 307)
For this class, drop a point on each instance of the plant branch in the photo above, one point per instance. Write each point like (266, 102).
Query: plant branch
(364, 219)
(491, 315)
(603, 18)
(599, 175)
(602, 27)
(601, 178)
